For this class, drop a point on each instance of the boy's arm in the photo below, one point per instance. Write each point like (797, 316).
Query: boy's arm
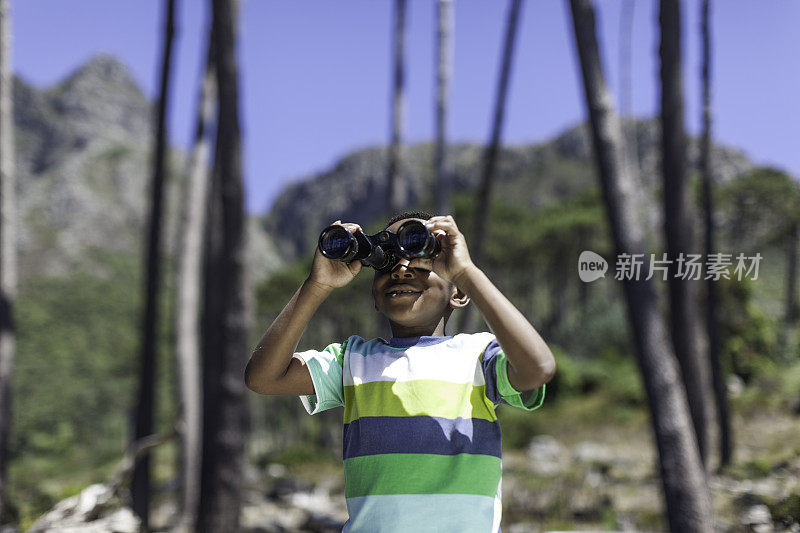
(272, 369)
(531, 363)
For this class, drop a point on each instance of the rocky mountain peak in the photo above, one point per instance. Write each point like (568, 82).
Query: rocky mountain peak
(102, 93)
(528, 176)
(83, 151)
(104, 68)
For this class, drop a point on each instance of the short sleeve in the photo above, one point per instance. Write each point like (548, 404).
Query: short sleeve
(326, 373)
(498, 389)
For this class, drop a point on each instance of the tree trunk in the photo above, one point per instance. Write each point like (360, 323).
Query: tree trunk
(630, 142)
(145, 404)
(625, 38)
(193, 220)
(225, 343)
(8, 248)
(687, 499)
(687, 335)
(469, 317)
(444, 11)
(712, 312)
(397, 189)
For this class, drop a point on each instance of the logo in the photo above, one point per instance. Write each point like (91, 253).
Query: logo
(591, 266)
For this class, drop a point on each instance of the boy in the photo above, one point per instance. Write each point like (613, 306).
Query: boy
(421, 438)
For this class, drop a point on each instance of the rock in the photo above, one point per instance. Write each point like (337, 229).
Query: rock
(593, 453)
(547, 456)
(284, 488)
(306, 509)
(594, 478)
(324, 524)
(270, 516)
(314, 502)
(758, 519)
(735, 385)
(626, 523)
(277, 470)
(94, 510)
(588, 506)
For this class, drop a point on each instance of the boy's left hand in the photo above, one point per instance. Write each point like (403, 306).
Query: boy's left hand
(454, 258)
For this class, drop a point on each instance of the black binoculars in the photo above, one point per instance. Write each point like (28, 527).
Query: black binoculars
(383, 250)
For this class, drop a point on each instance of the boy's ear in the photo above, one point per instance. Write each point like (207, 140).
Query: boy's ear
(458, 298)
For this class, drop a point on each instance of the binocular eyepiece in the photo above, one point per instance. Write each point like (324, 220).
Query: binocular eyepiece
(381, 251)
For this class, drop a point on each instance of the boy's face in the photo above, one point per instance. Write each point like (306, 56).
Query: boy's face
(412, 295)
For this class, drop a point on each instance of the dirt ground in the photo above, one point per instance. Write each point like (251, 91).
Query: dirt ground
(583, 476)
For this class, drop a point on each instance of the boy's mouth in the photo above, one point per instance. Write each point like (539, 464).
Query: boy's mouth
(399, 291)
(397, 294)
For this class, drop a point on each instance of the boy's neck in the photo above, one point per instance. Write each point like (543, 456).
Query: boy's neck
(400, 331)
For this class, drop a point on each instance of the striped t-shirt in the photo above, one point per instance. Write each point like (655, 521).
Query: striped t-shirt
(421, 438)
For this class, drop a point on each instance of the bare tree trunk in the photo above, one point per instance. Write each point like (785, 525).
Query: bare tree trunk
(397, 190)
(712, 312)
(444, 67)
(469, 317)
(687, 499)
(687, 335)
(630, 142)
(193, 220)
(145, 404)
(625, 38)
(225, 349)
(625, 85)
(8, 248)
(649, 218)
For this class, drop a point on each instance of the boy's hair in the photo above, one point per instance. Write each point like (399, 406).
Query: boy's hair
(408, 214)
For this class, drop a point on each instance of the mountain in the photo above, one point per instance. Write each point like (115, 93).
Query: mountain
(83, 173)
(528, 176)
(83, 167)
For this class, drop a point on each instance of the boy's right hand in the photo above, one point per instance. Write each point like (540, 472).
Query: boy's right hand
(334, 274)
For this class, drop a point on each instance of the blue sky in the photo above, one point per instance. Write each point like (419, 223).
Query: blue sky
(315, 74)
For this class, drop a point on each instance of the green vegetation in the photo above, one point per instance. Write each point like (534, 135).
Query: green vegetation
(75, 378)
(77, 361)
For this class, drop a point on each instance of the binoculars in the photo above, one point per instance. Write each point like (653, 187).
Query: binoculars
(381, 251)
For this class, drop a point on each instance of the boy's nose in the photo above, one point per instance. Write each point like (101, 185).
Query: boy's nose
(401, 270)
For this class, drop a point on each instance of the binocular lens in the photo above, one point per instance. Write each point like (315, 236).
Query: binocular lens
(335, 242)
(416, 240)
(382, 250)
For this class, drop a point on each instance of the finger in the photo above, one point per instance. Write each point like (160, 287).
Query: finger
(351, 226)
(441, 217)
(438, 218)
(448, 225)
(355, 267)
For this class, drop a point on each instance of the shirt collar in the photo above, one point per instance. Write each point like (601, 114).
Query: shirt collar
(423, 340)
